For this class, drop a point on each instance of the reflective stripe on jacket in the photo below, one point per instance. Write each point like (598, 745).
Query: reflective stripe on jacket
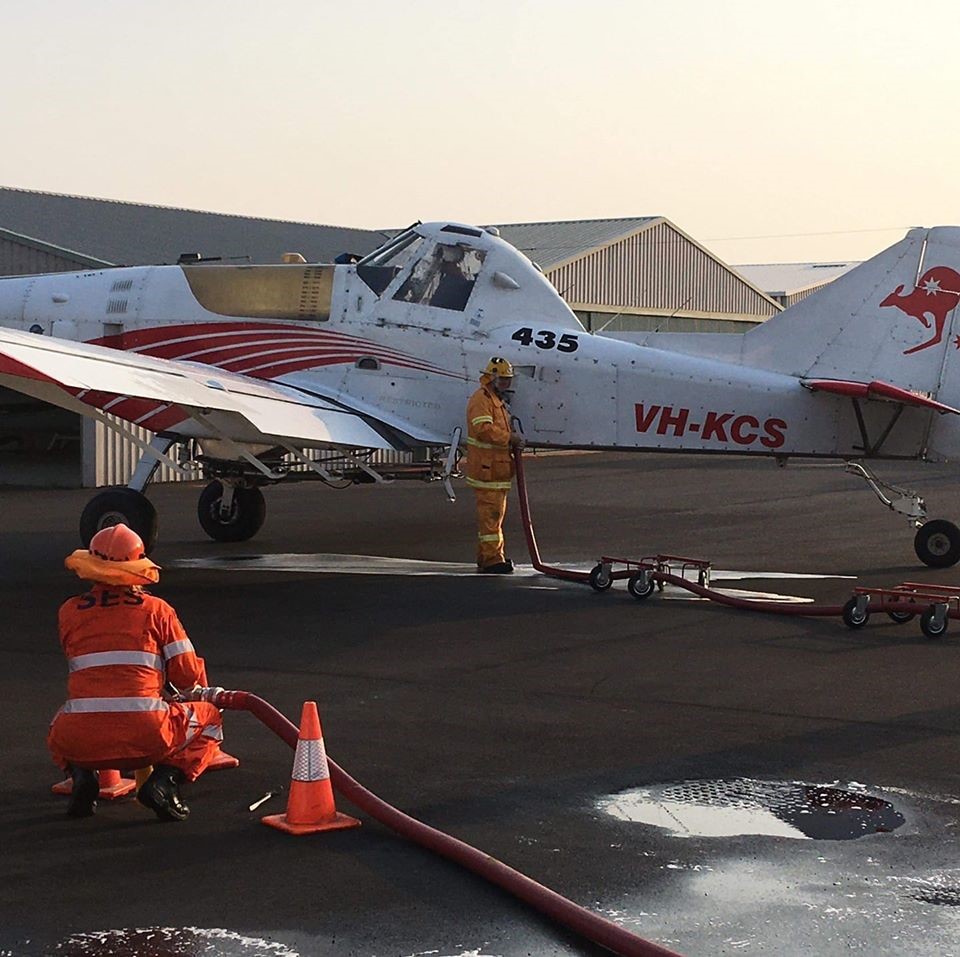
(124, 643)
(489, 463)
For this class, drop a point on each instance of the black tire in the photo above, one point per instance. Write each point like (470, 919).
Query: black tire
(116, 505)
(638, 589)
(600, 578)
(852, 618)
(929, 628)
(246, 517)
(901, 617)
(937, 543)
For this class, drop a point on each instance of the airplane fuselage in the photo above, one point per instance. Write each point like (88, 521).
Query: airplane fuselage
(387, 338)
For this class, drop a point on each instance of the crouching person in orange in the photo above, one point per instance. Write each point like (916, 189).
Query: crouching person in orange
(122, 646)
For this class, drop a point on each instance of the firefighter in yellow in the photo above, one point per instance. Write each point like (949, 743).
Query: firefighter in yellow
(489, 463)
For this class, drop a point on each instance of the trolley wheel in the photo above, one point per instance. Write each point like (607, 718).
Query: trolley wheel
(600, 578)
(929, 628)
(901, 617)
(937, 543)
(638, 589)
(852, 618)
(117, 505)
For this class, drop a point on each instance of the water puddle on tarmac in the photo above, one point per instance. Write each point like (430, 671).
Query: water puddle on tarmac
(195, 942)
(743, 806)
(327, 563)
(169, 942)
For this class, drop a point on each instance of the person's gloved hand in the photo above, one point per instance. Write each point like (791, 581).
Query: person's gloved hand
(199, 693)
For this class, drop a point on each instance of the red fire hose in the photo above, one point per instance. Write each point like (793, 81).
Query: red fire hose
(597, 929)
(568, 574)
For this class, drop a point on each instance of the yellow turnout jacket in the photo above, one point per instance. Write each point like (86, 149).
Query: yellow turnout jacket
(489, 463)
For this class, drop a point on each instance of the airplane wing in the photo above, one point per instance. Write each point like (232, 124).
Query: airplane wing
(186, 398)
(883, 391)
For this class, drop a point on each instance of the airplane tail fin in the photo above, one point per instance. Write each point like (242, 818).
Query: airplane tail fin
(891, 319)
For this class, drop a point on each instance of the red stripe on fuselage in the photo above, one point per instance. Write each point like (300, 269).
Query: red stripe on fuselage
(141, 340)
(237, 346)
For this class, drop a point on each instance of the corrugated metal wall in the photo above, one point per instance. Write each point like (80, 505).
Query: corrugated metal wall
(657, 268)
(21, 259)
(796, 297)
(107, 458)
(612, 321)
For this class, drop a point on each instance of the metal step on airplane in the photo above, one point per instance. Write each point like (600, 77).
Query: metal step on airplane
(247, 368)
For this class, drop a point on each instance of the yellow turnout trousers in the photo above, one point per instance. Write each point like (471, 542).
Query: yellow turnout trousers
(491, 509)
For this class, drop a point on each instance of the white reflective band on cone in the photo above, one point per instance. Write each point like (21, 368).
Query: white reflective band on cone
(310, 762)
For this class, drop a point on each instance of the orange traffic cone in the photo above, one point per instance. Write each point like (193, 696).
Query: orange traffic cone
(112, 785)
(310, 806)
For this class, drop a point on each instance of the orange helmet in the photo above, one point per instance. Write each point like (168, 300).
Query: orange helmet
(117, 543)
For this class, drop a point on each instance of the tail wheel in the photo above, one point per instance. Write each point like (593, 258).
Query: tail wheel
(937, 543)
(117, 506)
(853, 618)
(243, 519)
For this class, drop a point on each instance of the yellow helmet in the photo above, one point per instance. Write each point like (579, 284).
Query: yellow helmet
(499, 366)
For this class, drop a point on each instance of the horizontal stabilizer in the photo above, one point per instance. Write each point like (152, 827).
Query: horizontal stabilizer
(883, 391)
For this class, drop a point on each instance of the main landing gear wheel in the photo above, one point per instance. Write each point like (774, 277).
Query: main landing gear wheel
(853, 618)
(243, 520)
(637, 588)
(937, 543)
(116, 506)
(929, 625)
(600, 578)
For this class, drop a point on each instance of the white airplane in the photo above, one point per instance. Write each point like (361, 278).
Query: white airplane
(248, 366)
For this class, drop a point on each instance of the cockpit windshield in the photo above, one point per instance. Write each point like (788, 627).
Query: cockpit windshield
(444, 279)
(379, 268)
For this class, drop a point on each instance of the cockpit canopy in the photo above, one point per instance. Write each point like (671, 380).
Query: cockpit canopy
(444, 269)
(456, 268)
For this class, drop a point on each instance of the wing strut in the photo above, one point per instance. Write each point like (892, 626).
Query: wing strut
(238, 450)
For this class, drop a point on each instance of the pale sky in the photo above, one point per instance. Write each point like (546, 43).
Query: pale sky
(769, 131)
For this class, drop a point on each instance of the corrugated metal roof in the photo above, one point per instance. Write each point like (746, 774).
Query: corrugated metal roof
(135, 234)
(40, 246)
(550, 244)
(786, 279)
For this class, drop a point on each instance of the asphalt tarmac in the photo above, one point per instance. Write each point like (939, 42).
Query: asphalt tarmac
(649, 760)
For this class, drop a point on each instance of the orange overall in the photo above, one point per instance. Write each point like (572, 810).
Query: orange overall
(122, 644)
(489, 468)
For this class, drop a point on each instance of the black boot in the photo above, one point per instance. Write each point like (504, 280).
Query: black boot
(83, 796)
(500, 568)
(161, 793)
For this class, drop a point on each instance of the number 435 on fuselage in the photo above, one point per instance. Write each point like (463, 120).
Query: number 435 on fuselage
(248, 366)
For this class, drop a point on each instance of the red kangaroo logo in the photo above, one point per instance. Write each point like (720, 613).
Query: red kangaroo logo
(936, 294)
